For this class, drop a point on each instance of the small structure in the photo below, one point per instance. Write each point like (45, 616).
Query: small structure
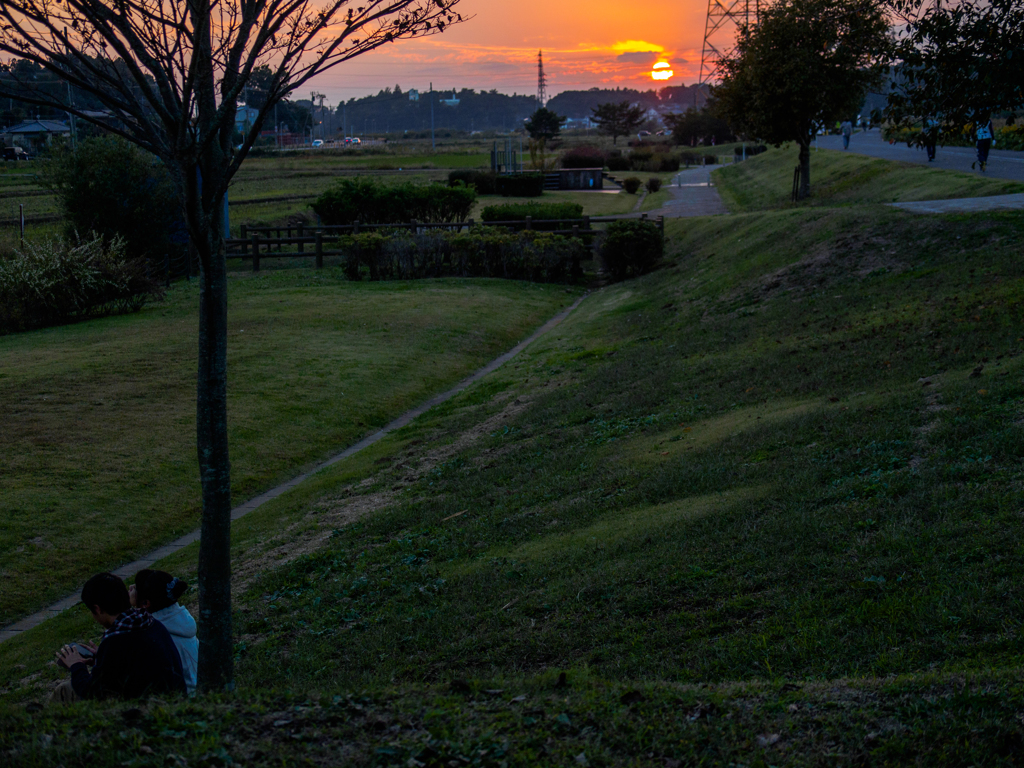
(414, 95)
(575, 178)
(245, 116)
(452, 102)
(36, 133)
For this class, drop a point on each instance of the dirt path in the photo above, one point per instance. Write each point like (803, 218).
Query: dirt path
(693, 194)
(130, 569)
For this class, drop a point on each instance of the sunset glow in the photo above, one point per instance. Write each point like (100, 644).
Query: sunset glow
(662, 71)
(586, 44)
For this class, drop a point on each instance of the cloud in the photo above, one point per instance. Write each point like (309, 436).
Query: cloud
(639, 57)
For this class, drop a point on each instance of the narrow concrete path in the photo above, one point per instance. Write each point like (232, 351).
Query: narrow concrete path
(965, 204)
(1002, 164)
(693, 194)
(130, 569)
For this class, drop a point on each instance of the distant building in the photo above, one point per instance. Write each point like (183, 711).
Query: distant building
(245, 116)
(414, 95)
(452, 102)
(36, 133)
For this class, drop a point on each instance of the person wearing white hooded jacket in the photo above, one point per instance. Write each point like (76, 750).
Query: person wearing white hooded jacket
(158, 593)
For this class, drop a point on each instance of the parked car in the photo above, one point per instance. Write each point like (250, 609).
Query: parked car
(356, 140)
(15, 153)
(317, 143)
(643, 135)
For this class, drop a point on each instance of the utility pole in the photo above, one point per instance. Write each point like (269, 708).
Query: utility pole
(71, 120)
(433, 147)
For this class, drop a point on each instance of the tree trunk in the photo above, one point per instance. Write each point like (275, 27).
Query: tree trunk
(206, 186)
(216, 644)
(805, 170)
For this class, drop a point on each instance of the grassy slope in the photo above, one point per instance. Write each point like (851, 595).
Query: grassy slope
(96, 419)
(838, 178)
(768, 462)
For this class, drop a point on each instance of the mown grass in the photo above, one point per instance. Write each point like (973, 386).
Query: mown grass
(839, 178)
(761, 506)
(97, 433)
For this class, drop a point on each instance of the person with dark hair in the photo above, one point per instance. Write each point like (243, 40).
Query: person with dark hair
(135, 658)
(158, 593)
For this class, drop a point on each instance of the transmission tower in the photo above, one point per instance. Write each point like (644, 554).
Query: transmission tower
(725, 17)
(542, 81)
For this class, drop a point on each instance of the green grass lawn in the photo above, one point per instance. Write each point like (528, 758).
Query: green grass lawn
(761, 507)
(839, 178)
(97, 433)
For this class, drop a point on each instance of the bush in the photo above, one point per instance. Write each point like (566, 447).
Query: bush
(631, 246)
(583, 157)
(484, 181)
(533, 256)
(521, 185)
(538, 212)
(57, 282)
(113, 188)
(690, 158)
(369, 202)
(618, 163)
(653, 184)
(710, 159)
(631, 185)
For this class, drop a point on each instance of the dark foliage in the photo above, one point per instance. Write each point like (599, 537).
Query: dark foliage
(537, 212)
(632, 185)
(618, 163)
(544, 124)
(369, 202)
(115, 189)
(515, 256)
(631, 248)
(961, 63)
(618, 119)
(653, 184)
(59, 282)
(695, 127)
(520, 185)
(583, 157)
(485, 182)
(751, 150)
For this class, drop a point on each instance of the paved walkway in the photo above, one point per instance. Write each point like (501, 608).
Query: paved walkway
(965, 204)
(1002, 164)
(14, 630)
(693, 194)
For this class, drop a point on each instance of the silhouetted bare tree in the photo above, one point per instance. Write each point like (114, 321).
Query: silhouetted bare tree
(171, 74)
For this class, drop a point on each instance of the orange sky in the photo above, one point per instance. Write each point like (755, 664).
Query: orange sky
(586, 44)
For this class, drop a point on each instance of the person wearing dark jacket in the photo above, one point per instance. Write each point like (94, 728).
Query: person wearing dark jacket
(135, 658)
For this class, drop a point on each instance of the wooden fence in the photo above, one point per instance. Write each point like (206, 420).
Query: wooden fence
(269, 242)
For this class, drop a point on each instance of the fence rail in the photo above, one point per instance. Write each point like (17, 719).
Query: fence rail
(258, 243)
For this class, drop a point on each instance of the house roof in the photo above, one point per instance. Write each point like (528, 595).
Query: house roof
(39, 126)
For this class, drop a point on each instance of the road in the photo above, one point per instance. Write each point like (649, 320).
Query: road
(1002, 164)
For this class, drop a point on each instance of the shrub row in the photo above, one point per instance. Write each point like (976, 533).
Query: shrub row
(369, 202)
(538, 212)
(520, 185)
(515, 256)
(57, 282)
(584, 157)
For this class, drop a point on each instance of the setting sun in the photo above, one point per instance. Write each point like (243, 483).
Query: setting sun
(661, 71)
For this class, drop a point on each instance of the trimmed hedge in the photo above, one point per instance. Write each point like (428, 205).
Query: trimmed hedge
(631, 185)
(369, 202)
(484, 181)
(538, 213)
(532, 256)
(520, 185)
(57, 282)
(653, 184)
(631, 247)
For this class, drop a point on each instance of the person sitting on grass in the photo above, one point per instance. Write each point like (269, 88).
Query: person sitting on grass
(158, 593)
(135, 658)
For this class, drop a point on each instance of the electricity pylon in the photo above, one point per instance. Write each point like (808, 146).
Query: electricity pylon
(724, 17)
